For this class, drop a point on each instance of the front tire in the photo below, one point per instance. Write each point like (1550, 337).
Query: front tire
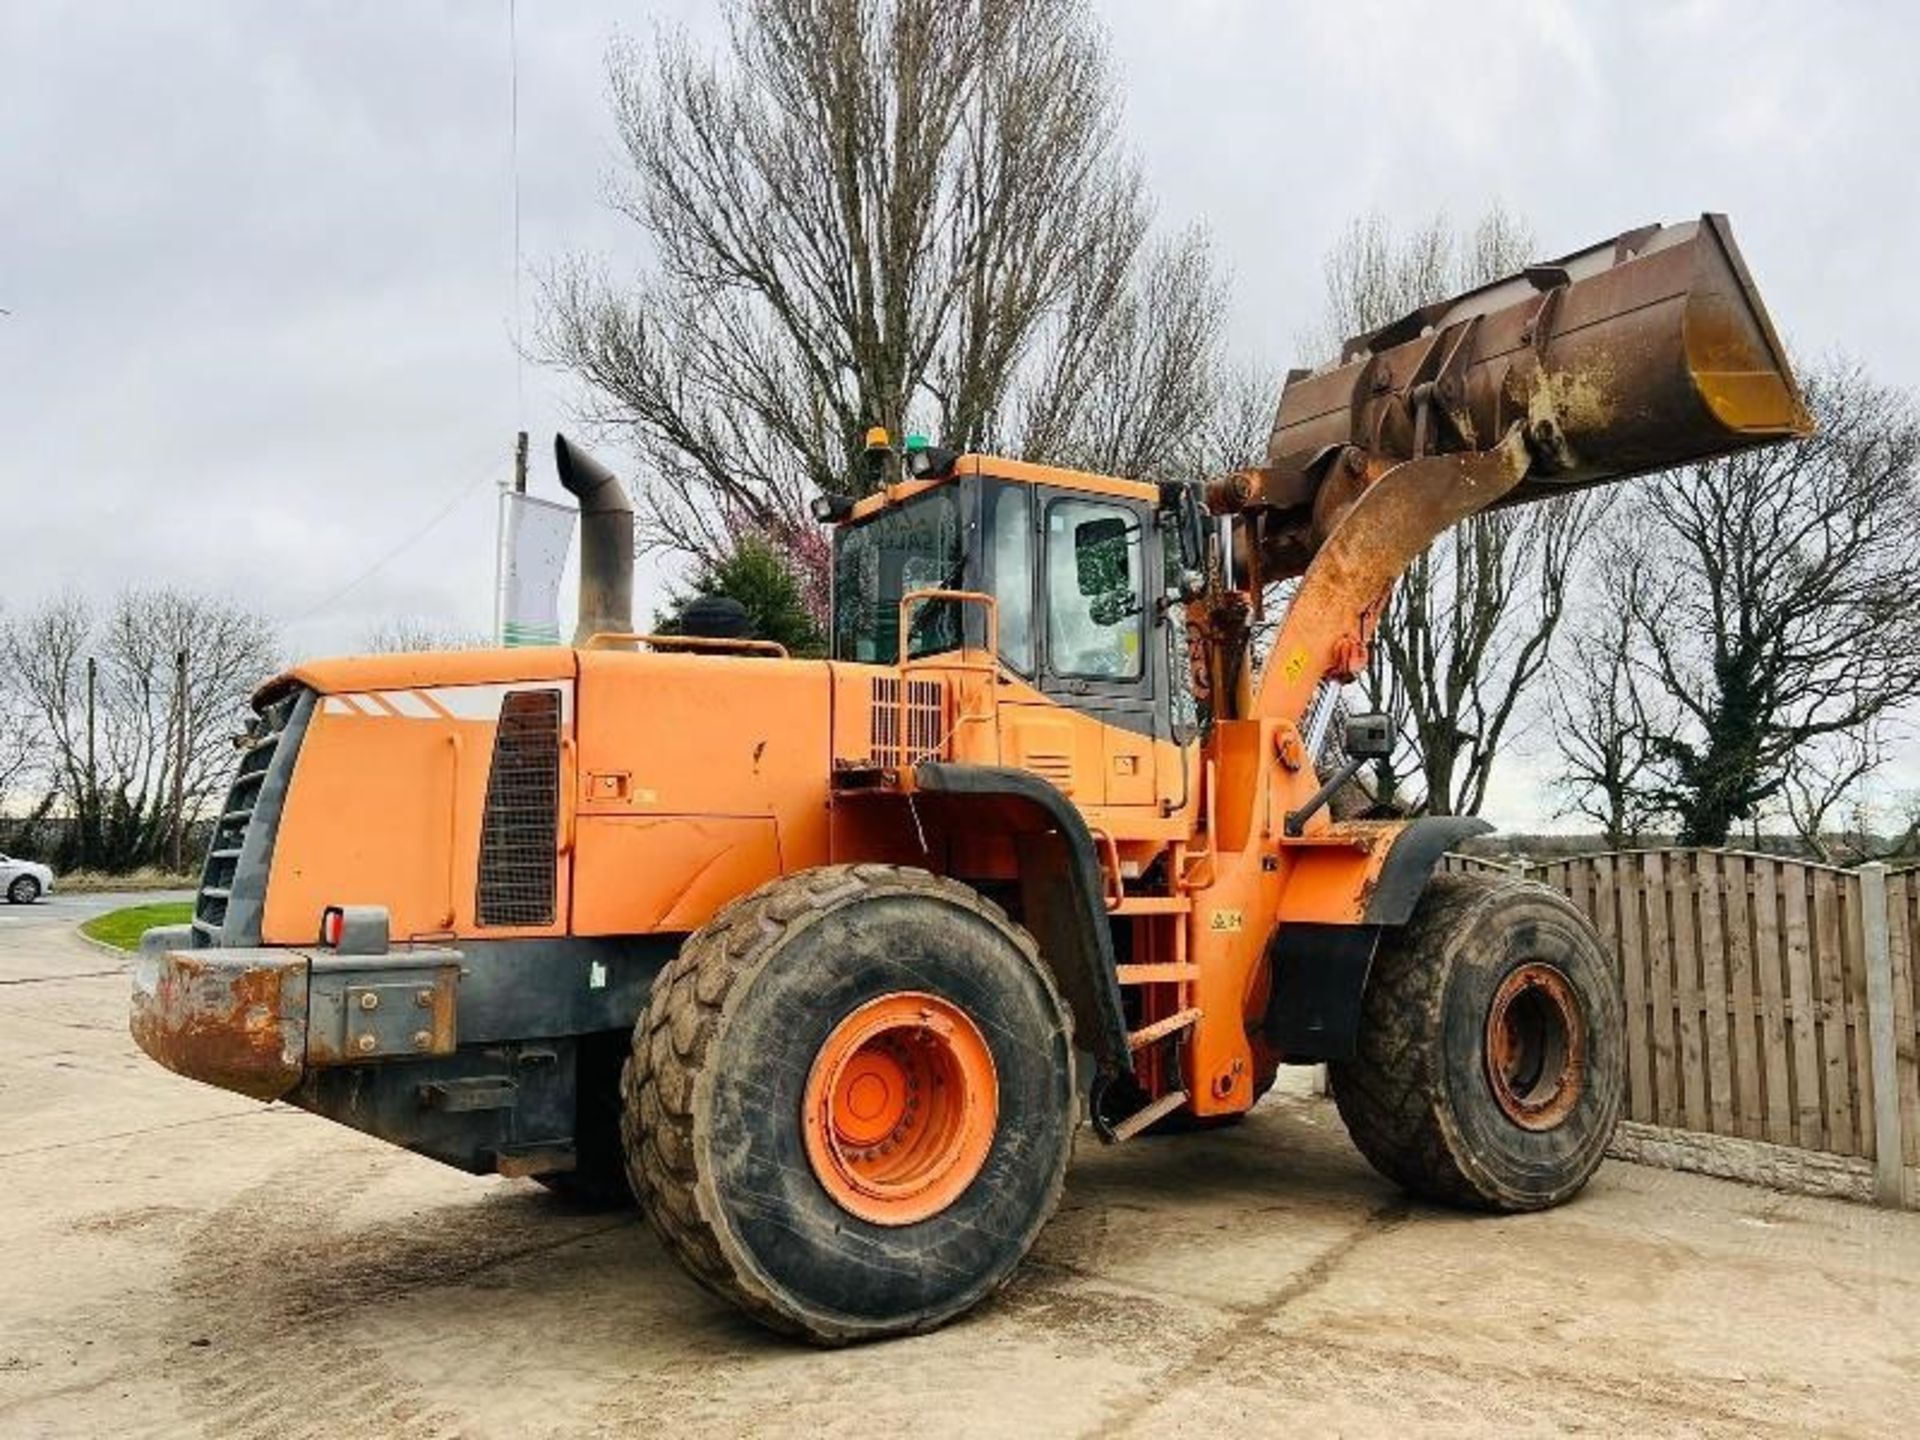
(23, 891)
(851, 1102)
(1491, 1057)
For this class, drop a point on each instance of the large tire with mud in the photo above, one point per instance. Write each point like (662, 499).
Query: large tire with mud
(851, 1102)
(1491, 1054)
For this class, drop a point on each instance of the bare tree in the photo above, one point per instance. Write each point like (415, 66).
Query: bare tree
(1600, 721)
(1822, 781)
(1772, 614)
(910, 213)
(115, 757)
(1468, 633)
(402, 634)
(1134, 385)
(1470, 627)
(21, 751)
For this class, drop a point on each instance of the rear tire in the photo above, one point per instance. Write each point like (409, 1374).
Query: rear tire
(1490, 1065)
(723, 1102)
(23, 891)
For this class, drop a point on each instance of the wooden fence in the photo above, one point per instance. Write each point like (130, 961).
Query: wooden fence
(1766, 999)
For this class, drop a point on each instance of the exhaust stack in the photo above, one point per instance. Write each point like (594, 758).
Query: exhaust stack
(606, 542)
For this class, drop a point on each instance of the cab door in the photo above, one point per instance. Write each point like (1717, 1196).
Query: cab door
(1098, 635)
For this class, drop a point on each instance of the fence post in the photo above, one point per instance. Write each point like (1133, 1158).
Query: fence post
(1889, 1164)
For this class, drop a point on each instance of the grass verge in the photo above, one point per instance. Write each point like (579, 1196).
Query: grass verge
(122, 929)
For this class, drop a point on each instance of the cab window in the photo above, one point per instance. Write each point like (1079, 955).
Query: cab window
(915, 546)
(1010, 545)
(1095, 609)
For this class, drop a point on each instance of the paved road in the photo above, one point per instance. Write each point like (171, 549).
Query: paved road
(57, 912)
(181, 1261)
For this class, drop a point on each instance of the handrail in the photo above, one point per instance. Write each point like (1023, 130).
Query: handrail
(990, 666)
(719, 644)
(1211, 853)
(1116, 891)
(977, 597)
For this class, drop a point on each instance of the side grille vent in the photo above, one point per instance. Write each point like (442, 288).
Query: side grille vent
(924, 718)
(1053, 767)
(520, 828)
(251, 810)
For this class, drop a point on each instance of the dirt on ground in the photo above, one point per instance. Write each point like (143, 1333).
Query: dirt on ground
(180, 1261)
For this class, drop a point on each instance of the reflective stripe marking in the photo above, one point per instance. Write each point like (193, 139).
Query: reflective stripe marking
(410, 704)
(469, 702)
(445, 702)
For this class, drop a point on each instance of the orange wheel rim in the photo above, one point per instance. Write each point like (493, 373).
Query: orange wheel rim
(900, 1109)
(1536, 1047)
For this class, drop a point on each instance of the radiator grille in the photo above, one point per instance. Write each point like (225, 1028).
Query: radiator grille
(925, 722)
(520, 829)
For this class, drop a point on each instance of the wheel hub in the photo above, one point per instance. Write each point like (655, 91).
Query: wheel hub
(900, 1108)
(1536, 1046)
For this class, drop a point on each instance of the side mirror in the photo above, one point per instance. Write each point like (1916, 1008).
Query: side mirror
(1100, 555)
(1368, 737)
(1180, 510)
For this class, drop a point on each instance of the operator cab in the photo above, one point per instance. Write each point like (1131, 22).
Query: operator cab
(1075, 563)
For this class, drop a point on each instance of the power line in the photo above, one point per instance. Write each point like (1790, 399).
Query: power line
(399, 549)
(513, 166)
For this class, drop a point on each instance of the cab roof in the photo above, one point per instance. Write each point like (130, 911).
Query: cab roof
(1025, 472)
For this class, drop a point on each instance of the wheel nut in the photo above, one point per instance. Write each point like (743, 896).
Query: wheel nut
(366, 1044)
(369, 1000)
(423, 1039)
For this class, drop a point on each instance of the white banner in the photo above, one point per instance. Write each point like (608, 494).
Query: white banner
(535, 536)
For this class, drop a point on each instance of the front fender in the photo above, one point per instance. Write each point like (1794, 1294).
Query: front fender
(1063, 895)
(1337, 904)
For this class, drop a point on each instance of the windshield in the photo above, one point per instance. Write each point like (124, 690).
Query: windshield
(915, 546)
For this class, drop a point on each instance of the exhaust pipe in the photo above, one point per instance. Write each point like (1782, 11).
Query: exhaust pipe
(606, 542)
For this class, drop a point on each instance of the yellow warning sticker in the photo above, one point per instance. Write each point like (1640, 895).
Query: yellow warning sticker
(1227, 922)
(1296, 662)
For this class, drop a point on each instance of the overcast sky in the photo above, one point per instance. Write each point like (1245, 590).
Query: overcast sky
(259, 257)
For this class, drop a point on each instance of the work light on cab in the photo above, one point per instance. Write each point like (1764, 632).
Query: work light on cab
(831, 509)
(927, 461)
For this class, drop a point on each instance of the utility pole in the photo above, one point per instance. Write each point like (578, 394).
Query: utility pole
(90, 809)
(179, 759)
(520, 463)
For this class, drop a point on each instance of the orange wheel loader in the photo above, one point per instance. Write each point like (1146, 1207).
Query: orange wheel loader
(828, 960)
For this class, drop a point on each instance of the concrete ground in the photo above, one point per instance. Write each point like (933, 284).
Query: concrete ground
(178, 1261)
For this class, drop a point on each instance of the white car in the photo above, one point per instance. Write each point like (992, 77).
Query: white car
(24, 881)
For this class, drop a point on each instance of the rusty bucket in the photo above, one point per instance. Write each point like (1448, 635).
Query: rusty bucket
(1646, 351)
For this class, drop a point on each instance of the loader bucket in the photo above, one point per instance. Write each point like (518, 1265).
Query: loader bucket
(1644, 352)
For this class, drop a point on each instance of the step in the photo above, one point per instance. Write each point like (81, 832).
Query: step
(1141, 1119)
(1168, 974)
(1160, 1029)
(1153, 905)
